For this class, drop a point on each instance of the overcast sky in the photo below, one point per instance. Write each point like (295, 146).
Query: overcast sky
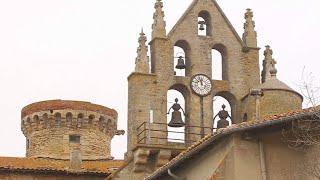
(85, 49)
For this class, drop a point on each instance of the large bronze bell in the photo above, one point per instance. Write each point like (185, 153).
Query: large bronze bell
(180, 64)
(176, 119)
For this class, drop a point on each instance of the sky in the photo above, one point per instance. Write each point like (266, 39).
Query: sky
(84, 50)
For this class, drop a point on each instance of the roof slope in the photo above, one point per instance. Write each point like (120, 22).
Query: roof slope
(62, 166)
(211, 138)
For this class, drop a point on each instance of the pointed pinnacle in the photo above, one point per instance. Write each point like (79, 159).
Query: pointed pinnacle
(142, 33)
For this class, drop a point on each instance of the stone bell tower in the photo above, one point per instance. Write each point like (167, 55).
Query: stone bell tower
(148, 144)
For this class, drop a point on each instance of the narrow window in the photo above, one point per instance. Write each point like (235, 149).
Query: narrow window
(245, 117)
(216, 65)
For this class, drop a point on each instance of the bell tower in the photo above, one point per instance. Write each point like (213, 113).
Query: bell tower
(202, 28)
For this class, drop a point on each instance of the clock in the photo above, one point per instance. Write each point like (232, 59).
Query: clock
(201, 85)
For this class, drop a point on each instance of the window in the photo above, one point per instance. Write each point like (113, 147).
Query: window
(74, 139)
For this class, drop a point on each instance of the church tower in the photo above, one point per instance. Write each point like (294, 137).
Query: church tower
(202, 29)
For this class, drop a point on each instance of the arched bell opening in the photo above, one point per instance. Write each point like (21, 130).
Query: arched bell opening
(181, 56)
(204, 24)
(224, 110)
(219, 58)
(177, 111)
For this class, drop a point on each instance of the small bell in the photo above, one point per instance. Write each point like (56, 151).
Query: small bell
(176, 119)
(202, 23)
(180, 64)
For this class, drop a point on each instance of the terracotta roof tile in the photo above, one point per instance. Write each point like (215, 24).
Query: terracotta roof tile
(233, 127)
(41, 164)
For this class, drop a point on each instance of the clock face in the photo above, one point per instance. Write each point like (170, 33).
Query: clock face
(201, 85)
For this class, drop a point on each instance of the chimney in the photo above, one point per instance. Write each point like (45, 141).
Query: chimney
(257, 94)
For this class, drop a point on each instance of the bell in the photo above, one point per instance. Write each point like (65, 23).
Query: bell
(180, 64)
(176, 120)
(202, 23)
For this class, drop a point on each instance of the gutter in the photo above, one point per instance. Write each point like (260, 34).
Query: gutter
(162, 171)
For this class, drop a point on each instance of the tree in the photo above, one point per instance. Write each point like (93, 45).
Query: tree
(304, 133)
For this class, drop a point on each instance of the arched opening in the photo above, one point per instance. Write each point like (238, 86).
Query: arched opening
(219, 62)
(204, 24)
(174, 116)
(57, 117)
(218, 103)
(245, 117)
(80, 119)
(45, 119)
(69, 118)
(182, 61)
(91, 119)
(101, 122)
(229, 102)
(216, 65)
(36, 119)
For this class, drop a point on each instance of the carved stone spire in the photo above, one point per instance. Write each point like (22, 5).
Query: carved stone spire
(269, 70)
(159, 25)
(250, 35)
(142, 60)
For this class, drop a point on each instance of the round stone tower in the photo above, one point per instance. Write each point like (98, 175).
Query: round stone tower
(61, 129)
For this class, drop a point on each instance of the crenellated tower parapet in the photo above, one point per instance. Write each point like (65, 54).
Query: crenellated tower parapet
(55, 128)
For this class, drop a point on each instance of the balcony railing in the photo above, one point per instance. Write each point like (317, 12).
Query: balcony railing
(161, 134)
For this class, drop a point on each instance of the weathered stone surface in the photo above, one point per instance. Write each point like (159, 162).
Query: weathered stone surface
(48, 129)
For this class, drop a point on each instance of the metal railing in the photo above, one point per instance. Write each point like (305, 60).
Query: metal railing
(148, 133)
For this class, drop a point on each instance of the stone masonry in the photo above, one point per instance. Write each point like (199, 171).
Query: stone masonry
(60, 129)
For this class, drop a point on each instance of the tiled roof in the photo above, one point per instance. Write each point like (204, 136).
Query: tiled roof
(277, 119)
(50, 165)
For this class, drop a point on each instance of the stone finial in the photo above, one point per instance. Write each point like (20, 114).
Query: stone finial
(269, 63)
(159, 25)
(142, 60)
(250, 35)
